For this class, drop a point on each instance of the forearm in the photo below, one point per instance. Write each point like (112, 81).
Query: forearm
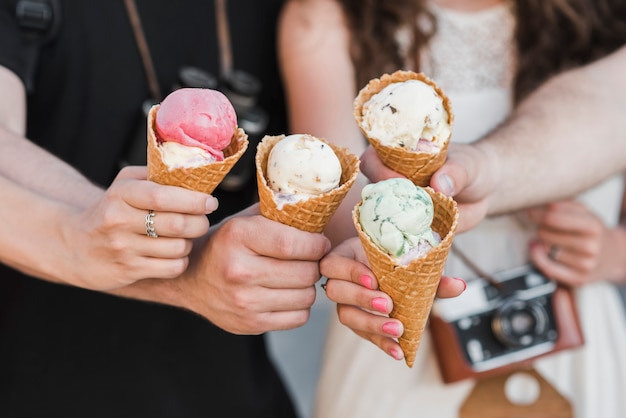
(34, 169)
(565, 138)
(31, 239)
(28, 165)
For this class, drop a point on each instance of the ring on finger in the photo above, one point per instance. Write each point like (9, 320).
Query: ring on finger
(150, 231)
(553, 252)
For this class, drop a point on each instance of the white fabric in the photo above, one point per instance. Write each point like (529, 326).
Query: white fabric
(359, 380)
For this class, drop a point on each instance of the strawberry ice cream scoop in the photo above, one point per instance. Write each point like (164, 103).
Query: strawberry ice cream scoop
(195, 117)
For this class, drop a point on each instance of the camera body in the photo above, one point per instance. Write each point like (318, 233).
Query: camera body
(490, 329)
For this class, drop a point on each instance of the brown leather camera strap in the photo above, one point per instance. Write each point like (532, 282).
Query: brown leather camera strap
(223, 35)
(144, 50)
(474, 267)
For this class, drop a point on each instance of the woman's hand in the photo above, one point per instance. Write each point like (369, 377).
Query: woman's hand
(360, 306)
(108, 242)
(574, 246)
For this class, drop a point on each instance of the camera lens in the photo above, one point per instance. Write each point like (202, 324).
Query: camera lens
(242, 89)
(519, 323)
(195, 77)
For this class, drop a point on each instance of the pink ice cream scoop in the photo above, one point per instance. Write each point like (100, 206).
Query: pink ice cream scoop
(196, 117)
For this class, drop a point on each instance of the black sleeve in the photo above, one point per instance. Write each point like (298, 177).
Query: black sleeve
(15, 53)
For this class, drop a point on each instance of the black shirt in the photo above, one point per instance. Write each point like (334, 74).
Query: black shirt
(69, 352)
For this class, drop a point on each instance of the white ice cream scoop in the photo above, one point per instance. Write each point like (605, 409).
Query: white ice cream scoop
(302, 164)
(408, 114)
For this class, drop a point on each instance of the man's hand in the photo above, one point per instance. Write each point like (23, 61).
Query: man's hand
(254, 275)
(465, 176)
(360, 306)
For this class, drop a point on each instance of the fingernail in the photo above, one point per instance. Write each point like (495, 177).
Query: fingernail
(391, 328)
(380, 304)
(211, 204)
(462, 281)
(396, 354)
(446, 186)
(366, 281)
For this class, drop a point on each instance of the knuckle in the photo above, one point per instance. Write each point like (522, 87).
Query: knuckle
(177, 224)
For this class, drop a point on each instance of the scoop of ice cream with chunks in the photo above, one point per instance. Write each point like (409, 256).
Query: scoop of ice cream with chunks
(408, 114)
(397, 215)
(300, 166)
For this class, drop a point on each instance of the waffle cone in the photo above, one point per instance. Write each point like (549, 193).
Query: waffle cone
(203, 179)
(415, 165)
(309, 215)
(413, 287)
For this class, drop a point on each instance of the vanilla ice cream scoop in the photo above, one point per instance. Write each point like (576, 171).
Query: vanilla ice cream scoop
(408, 114)
(397, 215)
(302, 164)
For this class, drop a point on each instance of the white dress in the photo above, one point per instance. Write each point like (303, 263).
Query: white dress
(471, 59)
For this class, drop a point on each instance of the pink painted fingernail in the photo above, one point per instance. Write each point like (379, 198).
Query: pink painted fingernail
(380, 304)
(391, 328)
(396, 354)
(366, 281)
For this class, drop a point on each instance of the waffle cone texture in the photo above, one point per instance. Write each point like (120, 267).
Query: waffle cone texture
(313, 214)
(203, 179)
(417, 166)
(413, 287)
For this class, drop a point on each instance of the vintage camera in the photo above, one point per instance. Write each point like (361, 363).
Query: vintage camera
(242, 89)
(494, 327)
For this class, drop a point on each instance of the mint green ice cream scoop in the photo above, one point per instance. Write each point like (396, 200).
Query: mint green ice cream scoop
(397, 215)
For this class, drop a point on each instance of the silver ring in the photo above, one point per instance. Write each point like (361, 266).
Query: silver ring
(150, 225)
(553, 252)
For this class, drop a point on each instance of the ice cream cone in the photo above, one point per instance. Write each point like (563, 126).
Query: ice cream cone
(312, 214)
(205, 178)
(415, 165)
(413, 287)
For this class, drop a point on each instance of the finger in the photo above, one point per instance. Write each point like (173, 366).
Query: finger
(348, 293)
(554, 269)
(276, 300)
(152, 196)
(569, 221)
(387, 344)
(369, 323)
(283, 320)
(273, 239)
(341, 264)
(373, 168)
(279, 274)
(450, 287)
(167, 224)
(579, 245)
(155, 268)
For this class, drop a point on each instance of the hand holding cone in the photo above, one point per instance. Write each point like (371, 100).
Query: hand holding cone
(413, 287)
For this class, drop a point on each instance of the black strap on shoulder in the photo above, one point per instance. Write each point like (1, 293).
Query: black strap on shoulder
(39, 22)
